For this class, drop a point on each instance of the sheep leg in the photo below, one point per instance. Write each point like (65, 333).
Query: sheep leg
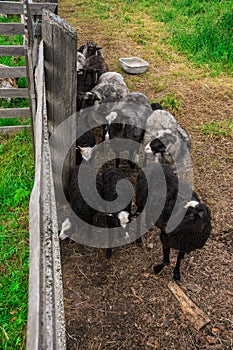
(109, 249)
(139, 242)
(131, 163)
(117, 161)
(138, 231)
(166, 261)
(108, 253)
(176, 272)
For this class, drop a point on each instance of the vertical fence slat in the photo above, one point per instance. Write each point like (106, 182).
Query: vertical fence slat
(60, 40)
(46, 326)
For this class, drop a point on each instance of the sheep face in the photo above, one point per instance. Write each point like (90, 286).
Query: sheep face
(86, 152)
(66, 225)
(122, 220)
(155, 146)
(91, 99)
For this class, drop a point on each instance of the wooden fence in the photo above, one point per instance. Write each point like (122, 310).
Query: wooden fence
(55, 93)
(25, 10)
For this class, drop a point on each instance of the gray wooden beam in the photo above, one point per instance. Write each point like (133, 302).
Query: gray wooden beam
(12, 50)
(13, 129)
(14, 93)
(11, 29)
(16, 8)
(15, 112)
(13, 72)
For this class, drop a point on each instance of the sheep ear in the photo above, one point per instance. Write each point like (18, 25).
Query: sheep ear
(98, 48)
(87, 95)
(201, 213)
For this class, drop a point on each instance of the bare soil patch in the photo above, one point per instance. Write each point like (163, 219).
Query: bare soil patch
(120, 303)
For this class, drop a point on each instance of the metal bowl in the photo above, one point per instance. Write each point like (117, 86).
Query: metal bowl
(133, 65)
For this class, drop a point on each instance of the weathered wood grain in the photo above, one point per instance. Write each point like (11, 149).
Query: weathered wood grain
(46, 327)
(13, 129)
(60, 40)
(15, 112)
(193, 313)
(12, 72)
(12, 50)
(16, 8)
(14, 93)
(11, 28)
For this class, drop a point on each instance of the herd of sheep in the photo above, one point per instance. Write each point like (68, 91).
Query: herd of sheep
(154, 140)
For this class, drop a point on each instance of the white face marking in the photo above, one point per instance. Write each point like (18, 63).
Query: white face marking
(123, 216)
(66, 225)
(111, 117)
(86, 152)
(136, 158)
(192, 204)
(157, 157)
(161, 133)
(148, 149)
(106, 136)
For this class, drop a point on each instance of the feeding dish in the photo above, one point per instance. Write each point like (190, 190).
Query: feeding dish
(133, 65)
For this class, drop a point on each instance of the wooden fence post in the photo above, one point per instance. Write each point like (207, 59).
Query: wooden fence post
(60, 53)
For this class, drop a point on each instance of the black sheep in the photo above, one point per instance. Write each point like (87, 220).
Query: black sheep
(121, 218)
(194, 226)
(78, 204)
(85, 145)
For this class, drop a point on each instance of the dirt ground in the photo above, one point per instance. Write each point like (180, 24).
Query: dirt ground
(119, 303)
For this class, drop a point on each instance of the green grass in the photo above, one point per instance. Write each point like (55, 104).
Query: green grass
(16, 181)
(202, 30)
(218, 128)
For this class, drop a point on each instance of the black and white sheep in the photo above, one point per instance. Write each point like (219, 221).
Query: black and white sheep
(78, 204)
(110, 88)
(122, 217)
(90, 49)
(90, 66)
(194, 224)
(167, 141)
(127, 121)
(95, 66)
(85, 145)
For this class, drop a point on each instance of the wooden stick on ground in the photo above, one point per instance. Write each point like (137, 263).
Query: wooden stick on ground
(193, 313)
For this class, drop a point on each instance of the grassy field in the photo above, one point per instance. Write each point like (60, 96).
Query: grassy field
(200, 30)
(16, 180)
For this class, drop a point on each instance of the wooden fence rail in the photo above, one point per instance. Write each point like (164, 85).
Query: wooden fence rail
(46, 325)
(9, 29)
(56, 101)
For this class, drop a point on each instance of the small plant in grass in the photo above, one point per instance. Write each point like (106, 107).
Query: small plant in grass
(170, 102)
(218, 128)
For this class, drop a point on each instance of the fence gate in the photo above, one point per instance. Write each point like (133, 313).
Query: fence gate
(9, 74)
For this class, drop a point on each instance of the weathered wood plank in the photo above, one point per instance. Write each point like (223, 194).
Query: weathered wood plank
(46, 326)
(11, 29)
(31, 60)
(13, 129)
(15, 112)
(14, 93)
(35, 226)
(13, 72)
(12, 50)
(16, 8)
(60, 40)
